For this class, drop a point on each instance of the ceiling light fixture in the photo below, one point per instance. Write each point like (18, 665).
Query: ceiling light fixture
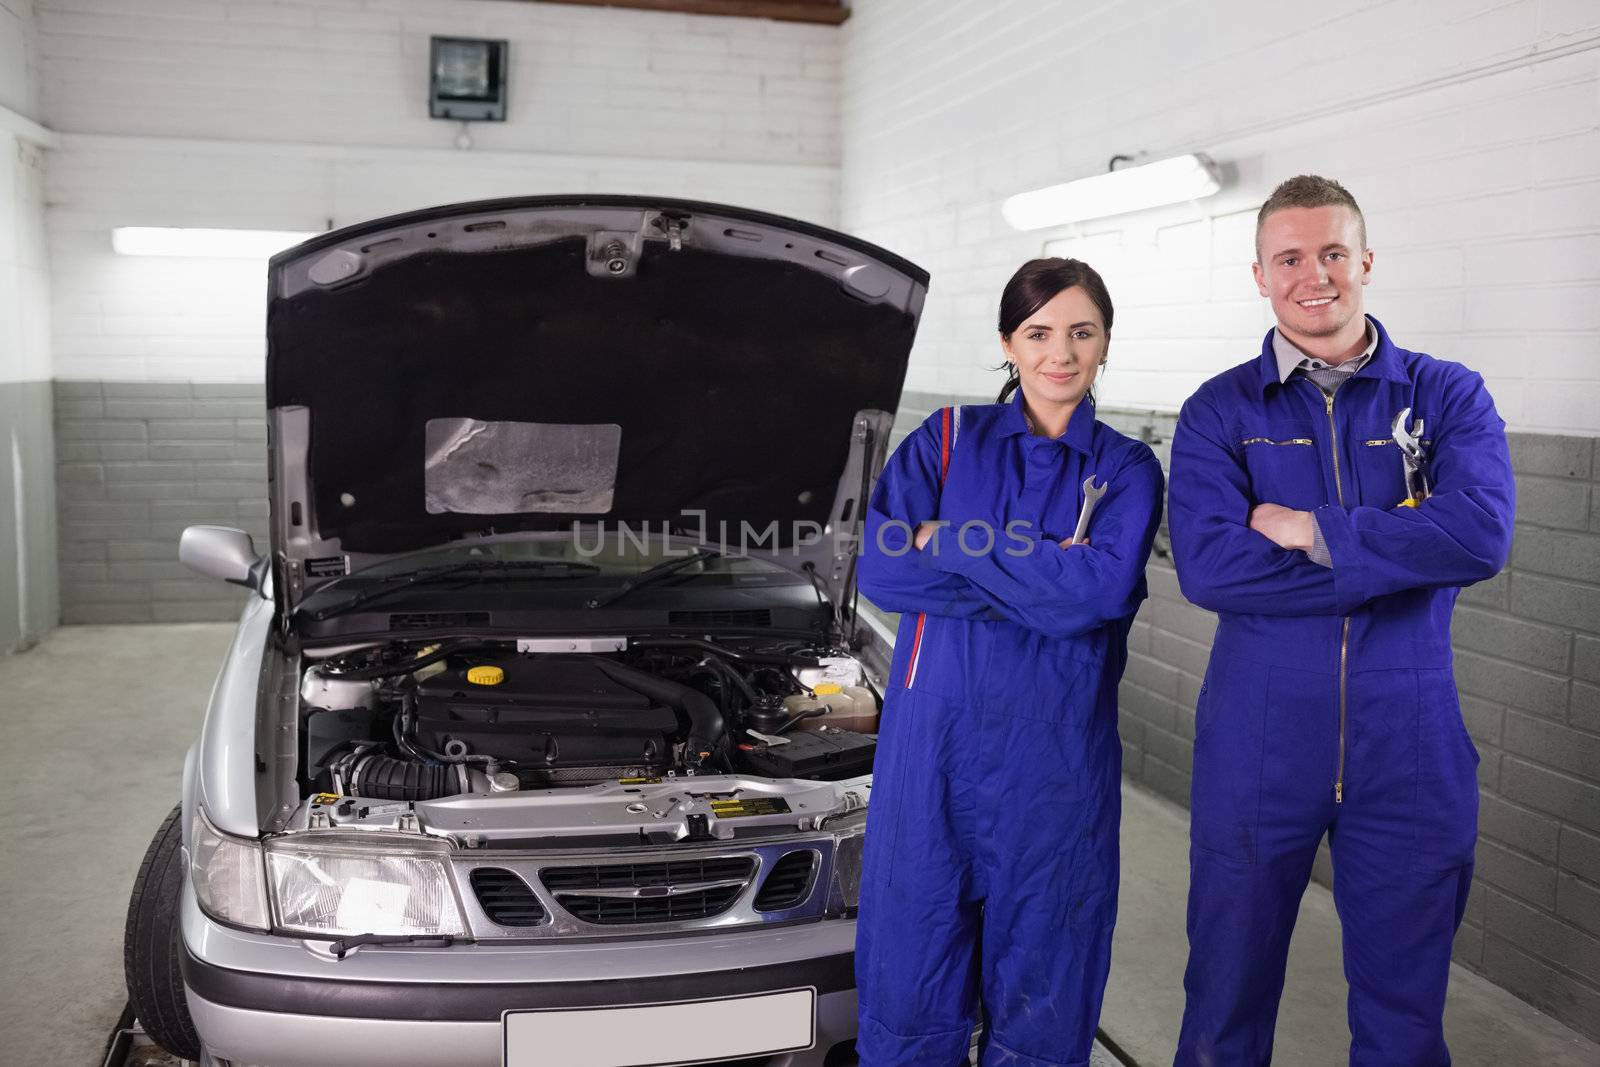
(203, 243)
(1167, 181)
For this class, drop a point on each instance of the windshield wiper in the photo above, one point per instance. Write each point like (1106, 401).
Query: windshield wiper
(651, 575)
(475, 570)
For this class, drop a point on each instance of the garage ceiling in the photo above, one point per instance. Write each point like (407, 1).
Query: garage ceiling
(831, 12)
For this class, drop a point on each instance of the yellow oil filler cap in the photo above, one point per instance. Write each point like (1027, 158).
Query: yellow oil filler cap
(827, 689)
(485, 675)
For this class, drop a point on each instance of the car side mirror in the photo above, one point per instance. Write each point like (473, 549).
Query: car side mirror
(221, 552)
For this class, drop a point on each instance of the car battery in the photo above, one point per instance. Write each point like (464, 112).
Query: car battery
(827, 753)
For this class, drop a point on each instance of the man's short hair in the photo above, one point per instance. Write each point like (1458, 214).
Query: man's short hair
(1309, 190)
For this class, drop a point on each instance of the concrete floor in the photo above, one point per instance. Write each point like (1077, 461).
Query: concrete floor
(1485, 1025)
(98, 721)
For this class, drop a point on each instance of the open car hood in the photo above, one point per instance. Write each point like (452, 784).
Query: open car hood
(532, 363)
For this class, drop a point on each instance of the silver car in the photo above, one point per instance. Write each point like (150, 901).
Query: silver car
(546, 736)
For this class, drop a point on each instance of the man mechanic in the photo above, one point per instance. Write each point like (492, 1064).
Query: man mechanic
(1329, 705)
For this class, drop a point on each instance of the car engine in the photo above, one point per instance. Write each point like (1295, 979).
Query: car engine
(415, 720)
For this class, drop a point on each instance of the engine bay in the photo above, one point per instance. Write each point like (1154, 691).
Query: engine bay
(418, 720)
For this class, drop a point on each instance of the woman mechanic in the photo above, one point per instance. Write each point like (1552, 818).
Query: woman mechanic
(990, 873)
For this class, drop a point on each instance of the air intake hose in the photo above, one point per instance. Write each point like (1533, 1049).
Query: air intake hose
(706, 730)
(386, 778)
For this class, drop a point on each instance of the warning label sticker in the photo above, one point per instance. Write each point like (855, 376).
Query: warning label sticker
(374, 810)
(738, 809)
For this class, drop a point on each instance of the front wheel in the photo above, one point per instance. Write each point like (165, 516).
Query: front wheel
(151, 943)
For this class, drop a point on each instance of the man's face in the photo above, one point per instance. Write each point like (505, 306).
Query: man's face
(1312, 266)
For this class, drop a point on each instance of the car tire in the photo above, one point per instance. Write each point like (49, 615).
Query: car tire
(151, 944)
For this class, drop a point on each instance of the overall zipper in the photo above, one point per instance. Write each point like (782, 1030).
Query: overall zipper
(1344, 635)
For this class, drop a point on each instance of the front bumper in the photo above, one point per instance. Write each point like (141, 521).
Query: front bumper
(269, 1000)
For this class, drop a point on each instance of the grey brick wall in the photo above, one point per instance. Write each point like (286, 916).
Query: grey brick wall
(135, 464)
(1527, 653)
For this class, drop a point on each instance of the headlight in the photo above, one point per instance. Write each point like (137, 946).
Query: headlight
(375, 884)
(849, 835)
(227, 875)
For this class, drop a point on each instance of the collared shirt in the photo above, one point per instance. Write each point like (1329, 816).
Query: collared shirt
(1291, 359)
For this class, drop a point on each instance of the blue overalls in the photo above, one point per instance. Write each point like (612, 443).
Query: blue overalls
(991, 851)
(1329, 705)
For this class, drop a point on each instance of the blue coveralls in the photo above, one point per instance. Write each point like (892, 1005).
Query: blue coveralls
(1329, 703)
(991, 851)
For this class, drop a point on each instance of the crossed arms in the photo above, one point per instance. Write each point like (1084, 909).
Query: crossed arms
(985, 573)
(1240, 555)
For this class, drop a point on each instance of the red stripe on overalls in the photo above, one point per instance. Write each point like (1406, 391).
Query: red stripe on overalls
(922, 617)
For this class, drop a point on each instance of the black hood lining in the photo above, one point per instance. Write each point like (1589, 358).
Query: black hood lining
(735, 380)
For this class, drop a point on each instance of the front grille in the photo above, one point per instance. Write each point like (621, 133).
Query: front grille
(611, 911)
(750, 617)
(674, 891)
(788, 883)
(506, 898)
(640, 875)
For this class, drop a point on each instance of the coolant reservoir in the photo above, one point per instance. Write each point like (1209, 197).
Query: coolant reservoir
(840, 670)
(848, 707)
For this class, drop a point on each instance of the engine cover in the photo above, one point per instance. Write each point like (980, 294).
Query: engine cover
(560, 719)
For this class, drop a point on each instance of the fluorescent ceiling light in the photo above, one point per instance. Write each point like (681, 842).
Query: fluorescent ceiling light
(201, 243)
(1168, 181)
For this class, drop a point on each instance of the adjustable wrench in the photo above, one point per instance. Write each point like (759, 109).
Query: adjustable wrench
(1416, 462)
(1091, 497)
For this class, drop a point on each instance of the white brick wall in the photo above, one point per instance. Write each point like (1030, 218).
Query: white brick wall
(24, 276)
(582, 81)
(1482, 193)
(137, 319)
(286, 114)
(19, 71)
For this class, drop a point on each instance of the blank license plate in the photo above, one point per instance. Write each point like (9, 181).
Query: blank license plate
(656, 1035)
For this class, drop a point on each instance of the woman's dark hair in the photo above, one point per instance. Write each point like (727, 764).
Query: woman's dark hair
(1034, 285)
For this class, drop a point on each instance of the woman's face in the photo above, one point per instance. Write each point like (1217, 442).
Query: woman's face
(1058, 349)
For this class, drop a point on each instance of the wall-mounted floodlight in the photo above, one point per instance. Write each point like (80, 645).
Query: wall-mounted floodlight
(1168, 181)
(203, 243)
(467, 79)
